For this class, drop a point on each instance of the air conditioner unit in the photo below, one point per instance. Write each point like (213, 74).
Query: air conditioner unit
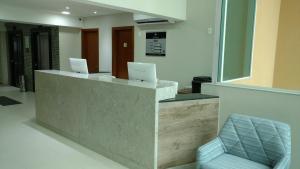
(147, 20)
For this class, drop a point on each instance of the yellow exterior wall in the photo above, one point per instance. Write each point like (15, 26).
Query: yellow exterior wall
(287, 65)
(265, 40)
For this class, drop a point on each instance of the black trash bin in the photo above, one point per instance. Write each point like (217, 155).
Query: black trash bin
(197, 81)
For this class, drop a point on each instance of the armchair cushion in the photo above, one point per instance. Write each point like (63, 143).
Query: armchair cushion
(227, 161)
(210, 151)
(284, 163)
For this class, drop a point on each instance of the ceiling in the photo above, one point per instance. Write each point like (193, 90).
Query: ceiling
(57, 6)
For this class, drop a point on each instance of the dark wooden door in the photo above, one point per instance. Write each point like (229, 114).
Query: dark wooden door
(16, 57)
(90, 48)
(123, 50)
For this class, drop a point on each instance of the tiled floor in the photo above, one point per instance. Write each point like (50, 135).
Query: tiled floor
(26, 145)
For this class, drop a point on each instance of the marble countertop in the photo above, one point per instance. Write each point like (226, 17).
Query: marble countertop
(186, 97)
(107, 78)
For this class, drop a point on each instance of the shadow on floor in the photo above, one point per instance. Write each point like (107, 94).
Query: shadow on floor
(5, 101)
(55, 134)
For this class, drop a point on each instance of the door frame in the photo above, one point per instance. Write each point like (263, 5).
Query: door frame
(83, 47)
(114, 45)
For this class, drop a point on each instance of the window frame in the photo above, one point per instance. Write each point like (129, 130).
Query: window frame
(220, 37)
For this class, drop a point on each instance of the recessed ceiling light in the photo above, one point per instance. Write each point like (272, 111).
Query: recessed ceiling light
(67, 7)
(95, 12)
(66, 12)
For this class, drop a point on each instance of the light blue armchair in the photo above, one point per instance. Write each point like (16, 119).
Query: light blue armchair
(248, 143)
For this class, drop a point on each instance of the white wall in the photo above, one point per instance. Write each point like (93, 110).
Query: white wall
(175, 9)
(105, 24)
(22, 15)
(69, 46)
(3, 56)
(189, 46)
(261, 102)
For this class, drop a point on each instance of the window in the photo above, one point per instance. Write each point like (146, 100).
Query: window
(236, 39)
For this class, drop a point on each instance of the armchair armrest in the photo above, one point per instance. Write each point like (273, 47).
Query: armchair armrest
(284, 163)
(210, 151)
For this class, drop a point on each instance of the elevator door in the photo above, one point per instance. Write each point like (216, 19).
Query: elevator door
(41, 52)
(16, 57)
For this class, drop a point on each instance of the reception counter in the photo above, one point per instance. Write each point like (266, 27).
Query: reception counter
(135, 124)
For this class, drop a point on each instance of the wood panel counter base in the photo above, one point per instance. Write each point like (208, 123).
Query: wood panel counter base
(183, 127)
